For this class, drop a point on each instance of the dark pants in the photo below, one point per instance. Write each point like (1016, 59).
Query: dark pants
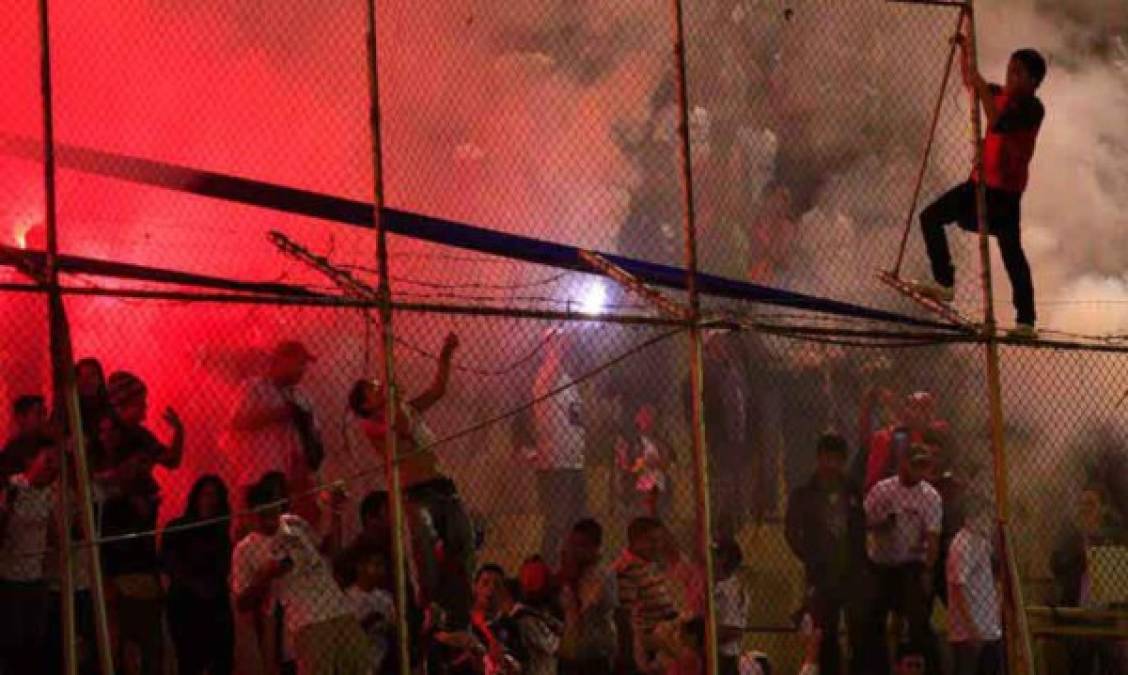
(1004, 214)
(977, 658)
(828, 605)
(562, 497)
(900, 589)
(84, 628)
(23, 617)
(141, 627)
(447, 584)
(203, 632)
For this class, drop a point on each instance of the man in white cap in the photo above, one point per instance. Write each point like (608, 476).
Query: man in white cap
(275, 428)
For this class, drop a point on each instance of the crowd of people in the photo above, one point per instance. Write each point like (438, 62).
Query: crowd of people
(882, 540)
(256, 576)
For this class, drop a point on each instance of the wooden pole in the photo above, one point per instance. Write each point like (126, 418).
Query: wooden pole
(391, 404)
(50, 273)
(927, 150)
(62, 362)
(1018, 637)
(696, 367)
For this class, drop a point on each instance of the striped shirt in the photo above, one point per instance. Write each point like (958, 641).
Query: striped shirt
(642, 584)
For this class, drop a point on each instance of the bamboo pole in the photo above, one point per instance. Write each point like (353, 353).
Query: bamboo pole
(927, 149)
(50, 273)
(62, 361)
(1017, 632)
(391, 404)
(696, 367)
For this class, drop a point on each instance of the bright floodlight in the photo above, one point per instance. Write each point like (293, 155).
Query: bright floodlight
(593, 298)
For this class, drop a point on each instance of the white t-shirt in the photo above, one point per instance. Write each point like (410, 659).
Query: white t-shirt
(275, 447)
(559, 427)
(541, 642)
(23, 549)
(733, 605)
(365, 604)
(919, 511)
(308, 593)
(969, 566)
(652, 477)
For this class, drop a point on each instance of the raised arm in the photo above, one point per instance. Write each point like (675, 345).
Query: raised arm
(172, 454)
(442, 377)
(974, 81)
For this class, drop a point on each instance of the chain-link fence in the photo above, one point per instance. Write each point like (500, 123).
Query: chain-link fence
(223, 303)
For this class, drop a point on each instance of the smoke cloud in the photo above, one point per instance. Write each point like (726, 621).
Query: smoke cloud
(556, 119)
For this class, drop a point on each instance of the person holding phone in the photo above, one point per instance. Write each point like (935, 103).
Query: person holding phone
(283, 564)
(904, 515)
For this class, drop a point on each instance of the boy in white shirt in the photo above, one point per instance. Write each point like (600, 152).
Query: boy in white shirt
(732, 603)
(375, 608)
(27, 506)
(974, 628)
(281, 562)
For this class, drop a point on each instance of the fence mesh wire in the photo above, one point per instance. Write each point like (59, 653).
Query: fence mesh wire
(243, 516)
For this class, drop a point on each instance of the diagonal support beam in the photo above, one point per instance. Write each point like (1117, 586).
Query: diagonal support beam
(665, 305)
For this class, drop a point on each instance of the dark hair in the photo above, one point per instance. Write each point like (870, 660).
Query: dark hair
(489, 568)
(93, 363)
(1033, 62)
(729, 554)
(694, 629)
(24, 404)
(22, 451)
(590, 528)
(270, 488)
(642, 526)
(192, 510)
(363, 551)
(356, 397)
(373, 503)
(935, 437)
(832, 443)
(346, 564)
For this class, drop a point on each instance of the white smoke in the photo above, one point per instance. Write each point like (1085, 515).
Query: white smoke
(1075, 222)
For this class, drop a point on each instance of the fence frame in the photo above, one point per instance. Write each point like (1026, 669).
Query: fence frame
(1018, 631)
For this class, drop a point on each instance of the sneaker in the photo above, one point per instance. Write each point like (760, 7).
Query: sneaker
(1023, 331)
(933, 291)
